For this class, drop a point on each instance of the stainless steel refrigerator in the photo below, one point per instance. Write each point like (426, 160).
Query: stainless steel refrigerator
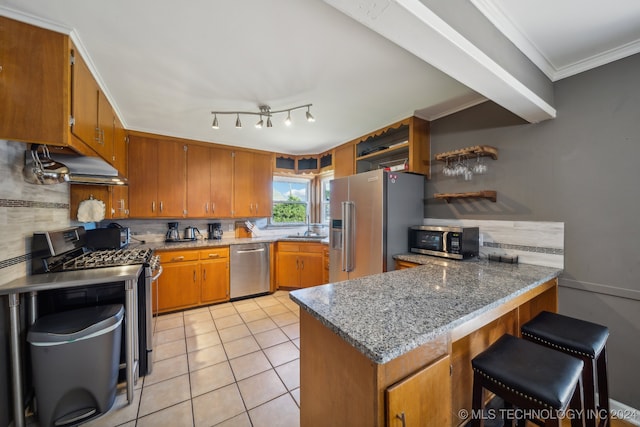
(370, 217)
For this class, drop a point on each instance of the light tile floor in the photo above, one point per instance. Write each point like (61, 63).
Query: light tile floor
(232, 364)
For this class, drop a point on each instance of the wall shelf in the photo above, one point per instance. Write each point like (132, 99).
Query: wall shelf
(487, 194)
(469, 152)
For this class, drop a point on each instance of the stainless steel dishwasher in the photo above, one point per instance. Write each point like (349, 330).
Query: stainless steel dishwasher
(249, 269)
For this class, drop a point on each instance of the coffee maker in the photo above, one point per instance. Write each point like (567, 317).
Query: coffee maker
(173, 235)
(214, 231)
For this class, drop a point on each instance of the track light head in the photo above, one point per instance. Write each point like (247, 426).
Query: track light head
(260, 123)
(215, 124)
(310, 117)
(287, 121)
(238, 122)
(269, 124)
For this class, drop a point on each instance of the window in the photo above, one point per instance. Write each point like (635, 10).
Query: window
(290, 200)
(325, 187)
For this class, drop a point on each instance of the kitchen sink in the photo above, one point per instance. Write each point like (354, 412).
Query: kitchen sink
(301, 236)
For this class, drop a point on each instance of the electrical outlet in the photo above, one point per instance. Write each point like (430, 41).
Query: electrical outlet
(231, 227)
(481, 240)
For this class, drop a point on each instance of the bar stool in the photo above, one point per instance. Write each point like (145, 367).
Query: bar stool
(581, 339)
(529, 376)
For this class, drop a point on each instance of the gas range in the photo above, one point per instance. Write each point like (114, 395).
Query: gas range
(66, 250)
(112, 258)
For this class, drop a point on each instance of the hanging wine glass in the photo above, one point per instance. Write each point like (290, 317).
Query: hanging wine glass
(479, 167)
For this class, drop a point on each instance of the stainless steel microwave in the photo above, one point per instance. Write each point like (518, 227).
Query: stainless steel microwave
(445, 241)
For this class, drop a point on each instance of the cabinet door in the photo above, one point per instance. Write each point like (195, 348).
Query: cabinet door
(143, 178)
(423, 399)
(171, 179)
(262, 184)
(106, 128)
(84, 103)
(80, 192)
(214, 280)
(119, 201)
(198, 181)
(288, 270)
(178, 286)
(243, 184)
(119, 159)
(311, 269)
(221, 182)
(34, 79)
(344, 159)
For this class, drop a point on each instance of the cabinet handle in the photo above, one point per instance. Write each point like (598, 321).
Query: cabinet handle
(213, 207)
(206, 207)
(153, 206)
(204, 275)
(214, 255)
(297, 264)
(97, 136)
(256, 208)
(251, 207)
(178, 258)
(113, 211)
(161, 207)
(302, 262)
(194, 276)
(400, 416)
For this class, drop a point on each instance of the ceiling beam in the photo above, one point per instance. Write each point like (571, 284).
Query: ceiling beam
(416, 28)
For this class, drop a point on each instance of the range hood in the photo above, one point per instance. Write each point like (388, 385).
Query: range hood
(84, 169)
(89, 170)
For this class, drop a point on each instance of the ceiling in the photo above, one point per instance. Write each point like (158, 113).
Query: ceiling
(165, 68)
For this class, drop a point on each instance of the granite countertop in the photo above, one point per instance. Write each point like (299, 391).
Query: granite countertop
(68, 279)
(205, 243)
(386, 315)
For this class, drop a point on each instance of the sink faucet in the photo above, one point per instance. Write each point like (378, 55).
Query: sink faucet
(308, 232)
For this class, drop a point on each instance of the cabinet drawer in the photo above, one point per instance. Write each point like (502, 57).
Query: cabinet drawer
(177, 256)
(214, 253)
(288, 247)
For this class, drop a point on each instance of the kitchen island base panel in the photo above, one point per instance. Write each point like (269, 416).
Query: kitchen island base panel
(341, 386)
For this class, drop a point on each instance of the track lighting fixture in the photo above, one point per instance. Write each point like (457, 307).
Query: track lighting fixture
(265, 111)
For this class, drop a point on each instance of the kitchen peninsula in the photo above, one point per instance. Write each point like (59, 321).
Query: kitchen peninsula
(394, 348)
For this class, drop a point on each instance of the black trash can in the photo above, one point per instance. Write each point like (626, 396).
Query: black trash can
(75, 357)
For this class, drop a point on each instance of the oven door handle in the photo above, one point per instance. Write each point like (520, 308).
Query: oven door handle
(154, 278)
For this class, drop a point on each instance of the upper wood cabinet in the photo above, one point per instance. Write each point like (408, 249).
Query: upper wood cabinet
(34, 106)
(344, 161)
(403, 146)
(252, 184)
(120, 158)
(157, 185)
(209, 181)
(115, 198)
(46, 99)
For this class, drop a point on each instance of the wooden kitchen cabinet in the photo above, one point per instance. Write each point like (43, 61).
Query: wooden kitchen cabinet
(252, 184)
(196, 277)
(157, 185)
(403, 146)
(115, 198)
(35, 104)
(214, 271)
(120, 157)
(400, 265)
(422, 399)
(344, 160)
(209, 181)
(299, 265)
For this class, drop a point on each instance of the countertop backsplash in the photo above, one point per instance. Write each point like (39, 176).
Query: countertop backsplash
(534, 242)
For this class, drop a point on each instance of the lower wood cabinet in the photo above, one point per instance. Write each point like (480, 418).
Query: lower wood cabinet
(401, 265)
(192, 277)
(431, 408)
(299, 265)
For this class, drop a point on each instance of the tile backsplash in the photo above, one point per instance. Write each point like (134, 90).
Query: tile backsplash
(24, 209)
(534, 242)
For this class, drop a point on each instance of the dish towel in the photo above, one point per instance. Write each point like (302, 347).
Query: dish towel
(91, 210)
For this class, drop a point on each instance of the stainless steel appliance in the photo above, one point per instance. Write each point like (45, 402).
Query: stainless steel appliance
(370, 213)
(66, 250)
(190, 233)
(214, 231)
(249, 272)
(108, 238)
(445, 241)
(173, 235)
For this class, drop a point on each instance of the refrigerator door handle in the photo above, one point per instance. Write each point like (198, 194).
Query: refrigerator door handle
(347, 250)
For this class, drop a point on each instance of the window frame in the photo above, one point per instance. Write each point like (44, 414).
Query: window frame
(307, 203)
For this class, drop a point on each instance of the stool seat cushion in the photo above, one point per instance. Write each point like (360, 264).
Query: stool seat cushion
(567, 333)
(545, 376)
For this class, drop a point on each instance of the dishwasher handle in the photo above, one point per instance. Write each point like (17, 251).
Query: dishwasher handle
(248, 251)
